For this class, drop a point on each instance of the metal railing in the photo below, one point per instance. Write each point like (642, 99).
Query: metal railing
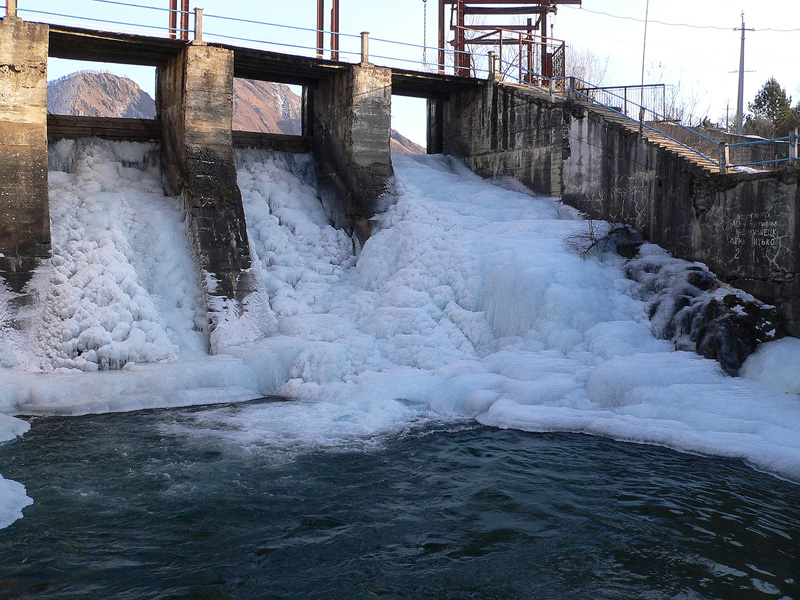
(628, 98)
(790, 150)
(526, 48)
(649, 119)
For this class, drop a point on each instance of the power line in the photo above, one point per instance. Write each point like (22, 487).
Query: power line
(717, 27)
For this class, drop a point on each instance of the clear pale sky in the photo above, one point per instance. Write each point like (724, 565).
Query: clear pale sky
(703, 59)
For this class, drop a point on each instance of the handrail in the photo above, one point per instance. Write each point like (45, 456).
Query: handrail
(651, 128)
(757, 142)
(549, 50)
(573, 89)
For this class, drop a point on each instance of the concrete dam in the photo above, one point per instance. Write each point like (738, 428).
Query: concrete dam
(742, 225)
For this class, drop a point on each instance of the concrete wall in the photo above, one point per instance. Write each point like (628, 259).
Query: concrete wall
(24, 206)
(195, 101)
(499, 130)
(351, 128)
(743, 226)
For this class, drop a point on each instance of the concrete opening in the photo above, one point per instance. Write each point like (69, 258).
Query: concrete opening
(409, 123)
(267, 107)
(267, 114)
(109, 90)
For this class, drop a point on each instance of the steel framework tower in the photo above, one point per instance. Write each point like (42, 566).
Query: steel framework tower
(461, 8)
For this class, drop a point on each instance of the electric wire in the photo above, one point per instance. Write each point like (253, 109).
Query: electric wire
(716, 27)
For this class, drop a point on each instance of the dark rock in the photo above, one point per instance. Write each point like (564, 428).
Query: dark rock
(625, 241)
(702, 280)
(688, 308)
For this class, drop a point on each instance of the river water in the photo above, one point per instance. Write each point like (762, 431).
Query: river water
(154, 504)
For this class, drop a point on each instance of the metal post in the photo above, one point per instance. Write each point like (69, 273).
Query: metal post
(492, 65)
(11, 8)
(501, 51)
(551, 88)
(173, 19)
(365, 47)
(625, 94)
(335, 30)
(794, 142)
(441, 37)
(530, 51)
(198, 25)
(572, 95)
(462, 60)
(724, 157)
(320, 27)
(185, 20)
(543, 28)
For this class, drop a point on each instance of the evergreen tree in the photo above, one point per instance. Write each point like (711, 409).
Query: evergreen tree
(772, 105)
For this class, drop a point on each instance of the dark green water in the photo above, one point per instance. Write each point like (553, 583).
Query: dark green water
(145, 505)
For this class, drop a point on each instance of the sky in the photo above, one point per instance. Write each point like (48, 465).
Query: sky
(691, 44)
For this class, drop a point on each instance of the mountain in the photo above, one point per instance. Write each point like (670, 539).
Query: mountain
(265, 106)
(400, 143)
(99, 94)
(257, 105)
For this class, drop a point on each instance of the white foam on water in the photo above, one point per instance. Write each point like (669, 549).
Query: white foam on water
(464, 303)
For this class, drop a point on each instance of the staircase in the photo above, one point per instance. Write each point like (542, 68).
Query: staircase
(654, 137)
(651, 136)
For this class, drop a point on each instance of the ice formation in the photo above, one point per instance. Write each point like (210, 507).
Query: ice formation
(464, 303)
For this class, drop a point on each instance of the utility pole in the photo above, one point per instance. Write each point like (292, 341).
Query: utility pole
(740, 99)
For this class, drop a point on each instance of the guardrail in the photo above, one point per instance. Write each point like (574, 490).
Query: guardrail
(573, 88)
(792, 152)
(628, 98)
(529, 48)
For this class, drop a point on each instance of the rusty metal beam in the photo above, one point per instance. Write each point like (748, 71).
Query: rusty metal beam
(442, 37)
(320, 27)
(185, 20)
(501, 2)
(173, 18)
(335, 30)
(496, 27)
(521, 10)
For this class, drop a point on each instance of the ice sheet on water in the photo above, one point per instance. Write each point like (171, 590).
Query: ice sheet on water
(465, 303)
(12, 500)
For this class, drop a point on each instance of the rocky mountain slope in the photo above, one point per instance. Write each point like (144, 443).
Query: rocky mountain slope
(99, 94)
(265, 106)
(257, 105)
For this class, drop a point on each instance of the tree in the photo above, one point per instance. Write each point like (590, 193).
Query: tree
(684, 103)
(772, 112)
(586, 65)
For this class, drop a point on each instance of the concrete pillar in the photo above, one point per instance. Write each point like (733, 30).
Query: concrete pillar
(351, 128)
(24, 206)
(195, 101)
(435, 129)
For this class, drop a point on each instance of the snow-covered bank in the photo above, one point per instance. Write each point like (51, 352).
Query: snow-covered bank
(465, 303)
